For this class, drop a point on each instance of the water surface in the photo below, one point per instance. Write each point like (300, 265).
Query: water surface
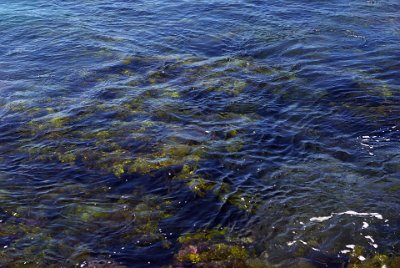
(149, 133)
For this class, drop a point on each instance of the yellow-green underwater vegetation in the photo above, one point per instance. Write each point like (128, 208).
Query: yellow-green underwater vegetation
(142, 158)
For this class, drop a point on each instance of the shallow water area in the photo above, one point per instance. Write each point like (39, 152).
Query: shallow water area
(199, 134)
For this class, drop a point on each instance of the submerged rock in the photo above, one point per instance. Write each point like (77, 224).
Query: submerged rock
(213, 248)
(359, 259)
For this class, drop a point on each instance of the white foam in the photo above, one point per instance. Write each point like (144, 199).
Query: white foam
(370, 238)
(320, 219)
(361, 258)
(350, 246)
(295, 241)
(349, 212)
(353, 213)
(365, 225)
(367, 145)
(345, 251)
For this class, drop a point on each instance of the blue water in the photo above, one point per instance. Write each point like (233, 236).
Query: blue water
(126, 126)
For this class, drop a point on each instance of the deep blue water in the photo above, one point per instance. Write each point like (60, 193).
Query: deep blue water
(126, 126)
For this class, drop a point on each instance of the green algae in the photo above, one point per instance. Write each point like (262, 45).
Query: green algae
(168, 155)
(127, 72)
(109, 156)
(42, 250)
(127, 60)
(48, 127)
(212, 248)
(102, 134)
(242, 200)
(4, 194)
(386, 91)
(59, 121)
(87, 212)
(177, 151)
(27, 247)
(204, 235)
(188, 171)
(264, 70)
(213, 253)
(200, 186)
(144, 166)
(118, 168)
(234, 145)
(109, 159)
(157, 77)
(393, 189)
(232, 133)
(238, 87)
(360, 260)
(146, 217)
(172, 93)
(139, 219)
(68, 157)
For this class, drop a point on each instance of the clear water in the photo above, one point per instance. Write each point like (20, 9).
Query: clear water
(127, 125)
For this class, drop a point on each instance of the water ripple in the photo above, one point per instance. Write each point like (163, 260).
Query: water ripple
(127, 127)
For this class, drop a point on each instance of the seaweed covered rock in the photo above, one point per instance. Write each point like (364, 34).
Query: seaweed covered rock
(212, 248)
(359, 259)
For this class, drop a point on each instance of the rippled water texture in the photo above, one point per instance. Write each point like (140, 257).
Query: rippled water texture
(192, 133)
